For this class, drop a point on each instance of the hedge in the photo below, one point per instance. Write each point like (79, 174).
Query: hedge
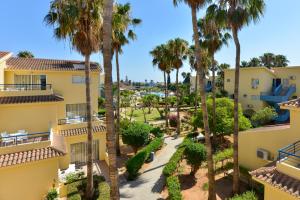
(134, 164)
(171, 166)
(173, 186)
(249, 195)
(104, 191)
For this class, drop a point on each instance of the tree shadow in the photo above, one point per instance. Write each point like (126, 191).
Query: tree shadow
(187, 181)
(224, 187)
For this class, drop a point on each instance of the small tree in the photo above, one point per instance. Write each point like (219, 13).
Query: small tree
(263, 117)
(195, 154)
(136, 135)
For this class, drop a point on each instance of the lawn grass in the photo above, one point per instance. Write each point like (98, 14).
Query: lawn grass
(139, 116)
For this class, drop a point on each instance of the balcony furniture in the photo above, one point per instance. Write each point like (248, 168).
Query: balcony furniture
(20, 136)
(6, 139)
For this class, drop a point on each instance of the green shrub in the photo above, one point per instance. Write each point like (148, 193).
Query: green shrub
(174, 190)
(134, 164)
(74, 176)
(101, 111)
(124, 124)
(223, 155)
(249, 195)
(263, 117)
(173, 120)
(52, 194)
(157, 132)
(171, 166)
(136, 135)
(101, 102)
(72, 190)
(249, 113)
(104, 191)
(195, 154)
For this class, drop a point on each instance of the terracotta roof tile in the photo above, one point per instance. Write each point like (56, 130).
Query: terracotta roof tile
(46, 64)
(277, 179)
(3, 54)
(81, 131)
(292, 103)
(30, 99)
(28, 156)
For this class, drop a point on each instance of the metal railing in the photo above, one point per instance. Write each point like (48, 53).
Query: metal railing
(77, 120)
(290, 153)
(17, 139)
(24, 87)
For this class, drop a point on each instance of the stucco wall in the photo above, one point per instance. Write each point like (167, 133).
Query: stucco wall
(268, 138)
(249, 96)
(272, 193)
(28, 181)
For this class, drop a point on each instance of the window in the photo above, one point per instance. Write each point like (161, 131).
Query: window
(32, 81)
(76, 110)
(254, 83)
(285, 82)
(78, 79)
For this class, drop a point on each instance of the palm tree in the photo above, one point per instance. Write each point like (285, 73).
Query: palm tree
(25, 54)
(195, 5)
(235, 15)
(193, 64)
(280, 61)
(111, 136)
(213, 37)
(161, 59)
(81, 24)
(179, 50)
(121, 34)
(267, 59)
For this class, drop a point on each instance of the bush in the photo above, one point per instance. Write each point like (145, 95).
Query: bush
(157, 132)
(249, 113)
(195, 154)
(104, 191)
(174, 190)
(101, 112)
(173, 120)
(136, 135)
(124, 124)
(263, 117)
(249, 195)
(52, 194)
(101, 102)
(74, 176)
(171, 166)
(223, 155)
(134, 164)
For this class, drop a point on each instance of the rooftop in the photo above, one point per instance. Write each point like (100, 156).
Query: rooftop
(277, 179)
(291, 104)
(30, 99)
(28, 156)
(81, 131)
(14, 63)
(3, 54)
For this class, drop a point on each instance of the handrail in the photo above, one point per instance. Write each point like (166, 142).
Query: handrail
(14, 140)
(289, 151)
(21, 87)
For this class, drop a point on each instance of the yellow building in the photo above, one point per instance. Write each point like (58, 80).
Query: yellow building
(273, 152)
(43, 123)
(208, 82)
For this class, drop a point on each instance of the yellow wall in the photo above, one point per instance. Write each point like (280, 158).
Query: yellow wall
(29, 181)
(286, 73)
(269, 138)
(272, 193)
(248, 96)
(34, 118)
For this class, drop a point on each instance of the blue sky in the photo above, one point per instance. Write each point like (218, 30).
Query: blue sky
(22, 28)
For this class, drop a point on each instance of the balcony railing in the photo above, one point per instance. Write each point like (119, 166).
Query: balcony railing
(17, 139)
(24, 87)
(77, 120)
(290, 153)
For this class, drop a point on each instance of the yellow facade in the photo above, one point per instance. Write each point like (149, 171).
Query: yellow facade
(31, 181)
(28, 181)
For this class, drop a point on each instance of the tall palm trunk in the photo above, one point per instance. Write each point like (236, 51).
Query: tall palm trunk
(236, 172)
(196, 91)
(89, 186)
(211, 174)
(214, 99)
(166, 102)
(177, 104)
(111, 136)
(118, 104)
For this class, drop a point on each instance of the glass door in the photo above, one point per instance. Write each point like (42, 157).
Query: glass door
(79, 152)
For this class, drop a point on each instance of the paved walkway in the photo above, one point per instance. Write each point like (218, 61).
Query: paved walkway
(149, 184)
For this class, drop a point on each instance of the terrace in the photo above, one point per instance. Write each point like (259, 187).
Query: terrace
(289, 160)
(25, 89)
(22, 137)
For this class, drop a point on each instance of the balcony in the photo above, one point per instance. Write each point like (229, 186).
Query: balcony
(289, 160)
(16, 139)
(78, 120)
(25, 89)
